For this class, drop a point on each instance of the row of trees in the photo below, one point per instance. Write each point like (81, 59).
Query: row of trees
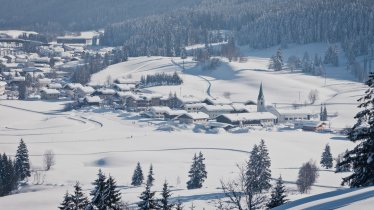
(160, 79)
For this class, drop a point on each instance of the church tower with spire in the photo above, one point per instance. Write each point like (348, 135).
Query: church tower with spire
(261, 101)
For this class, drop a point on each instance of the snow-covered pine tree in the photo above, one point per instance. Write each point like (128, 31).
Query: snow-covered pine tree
(147, 199)
(193, 183)
(339, 167)
(326, 159)
(8, 177)
(361, 158)
(164, 201)
(150, 178)
(203, 174)
(278, 195)
(264, 167)
(277, 60)
(67, 203)
(98, 191)
(79, 201)
(111, 195)
(22, 163)
(324, 113)
(197, 172)
(137, 177)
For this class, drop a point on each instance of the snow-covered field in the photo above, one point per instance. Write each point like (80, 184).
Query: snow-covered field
(87, 140)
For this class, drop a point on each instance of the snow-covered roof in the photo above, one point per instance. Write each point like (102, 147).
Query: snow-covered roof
(177, 112)
(189, 99)
(217, 100)
(196, 115)
(106, 91)
(213, 108)
(2, 83)
(294, 111)
(92, 99)
(196, 105)
(49, 91)
(18, 79)
(44, 81)
(160, 109)
(86, 89)
(72, 86)
(243, 107)
(54, 86)
(250, 116)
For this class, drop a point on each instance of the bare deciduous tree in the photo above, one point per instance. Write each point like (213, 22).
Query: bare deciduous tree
(239, 195)
(308, 174)
(313, 96)
(48, 159)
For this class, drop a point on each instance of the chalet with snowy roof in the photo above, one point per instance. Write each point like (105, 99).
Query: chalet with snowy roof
(124, 87)
(49, 94)
(105, 94)
(248, 119)
(83, 91)
(92, 101)
(291, 115)
(70, 88)
(196, 107)
(43, 82)
(56, 86)
(177, 102)
(157, 112)
(314, 126)
(216, 110)
(193, 118)
(172, 114)
(217, 101)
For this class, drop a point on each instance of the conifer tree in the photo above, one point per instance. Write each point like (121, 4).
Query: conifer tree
(8, 177)
(197, 172)
(79, 201)
(98, 192)
(111, 195)
(326, 159)
(264, 164)
(164, 201)
(340, 167)
(361, 157)
(22, 164)
(150, 178)
(137, 177)
(67, 203)
(278, 195)
(277, 60)
(147, 199)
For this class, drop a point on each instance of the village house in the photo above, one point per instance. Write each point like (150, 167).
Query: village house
(92, 101)
(105, 94)
(157, 112)
(43, 82)
(217, 101)
(124, 87)
(314, 126)
(49, 94)
(194, 107)
(70, 88)
(83, 91)
(291, 115)
(56, 86)
(172, 114)
(216, 110)
(193, 118)
(248, 119)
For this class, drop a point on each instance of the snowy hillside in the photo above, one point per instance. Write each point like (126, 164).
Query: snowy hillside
(93, 138)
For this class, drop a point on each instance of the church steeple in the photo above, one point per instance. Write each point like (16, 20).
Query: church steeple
(261, 100)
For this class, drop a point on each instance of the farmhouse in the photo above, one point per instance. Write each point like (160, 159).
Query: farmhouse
(194, 117)
(92, 100)
(291, 115)
(194, 107)
(217, 101)
(124, 87)
(49, 94)
(157, 112)
(216, 110)
(83, 91)
(244, 119)
(313, 126)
